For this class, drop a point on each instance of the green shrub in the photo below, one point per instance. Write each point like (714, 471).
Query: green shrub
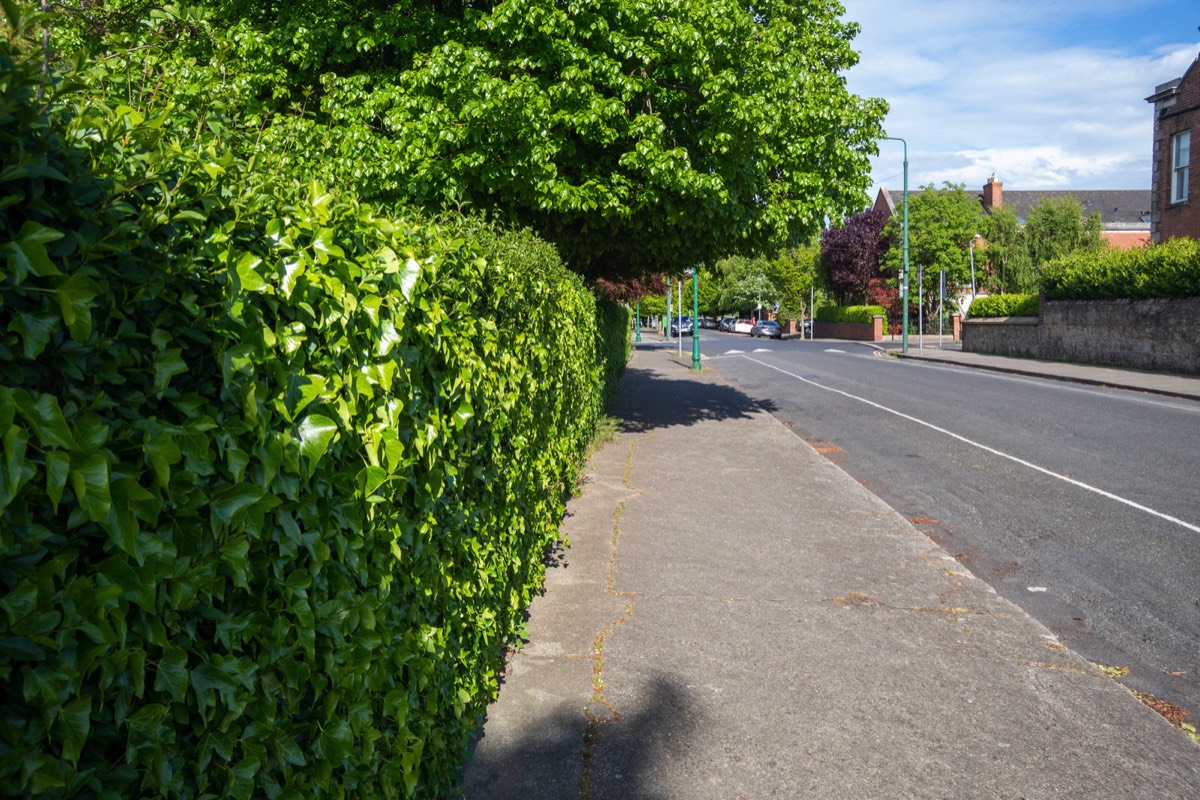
(860, 314)
(278, 469)
(1168, 270)
(1004, 305)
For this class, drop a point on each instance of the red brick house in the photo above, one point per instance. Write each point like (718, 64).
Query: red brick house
(1175, 174)
(1124, 213)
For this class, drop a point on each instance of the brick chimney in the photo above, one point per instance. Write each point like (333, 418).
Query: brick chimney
(993, 194)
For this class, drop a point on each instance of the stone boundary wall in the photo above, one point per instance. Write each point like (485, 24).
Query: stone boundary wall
(1004, 336)
(853, 331)
(1160, 335)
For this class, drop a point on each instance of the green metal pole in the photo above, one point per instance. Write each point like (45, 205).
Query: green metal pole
(696, 319)
(904, 276)
(637, 321)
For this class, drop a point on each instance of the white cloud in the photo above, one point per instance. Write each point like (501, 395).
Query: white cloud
(1048, 95)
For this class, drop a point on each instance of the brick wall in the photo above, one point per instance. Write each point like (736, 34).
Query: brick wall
(1170, 220)
(851, 331)
(1160, 335)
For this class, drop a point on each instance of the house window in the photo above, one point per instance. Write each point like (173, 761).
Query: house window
(1181, 145)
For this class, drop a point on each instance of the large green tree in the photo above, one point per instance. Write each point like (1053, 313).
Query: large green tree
(1002, 260)
(1056, 227)
(795, 273)
(941, 225)
(746, 285)
(638, 135)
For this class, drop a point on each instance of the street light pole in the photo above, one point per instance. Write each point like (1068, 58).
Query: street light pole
(904, 277)
(637, 320)
(696, 319)
(972, 248)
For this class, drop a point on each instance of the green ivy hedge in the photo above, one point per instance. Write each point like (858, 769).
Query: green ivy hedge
(278, 469)
(1004, 305)
(1168, 270)
(865, 314)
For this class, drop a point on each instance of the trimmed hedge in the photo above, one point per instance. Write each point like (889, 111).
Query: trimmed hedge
(1168, 270)
(1004, 305)
(858, 314)
(278, 469)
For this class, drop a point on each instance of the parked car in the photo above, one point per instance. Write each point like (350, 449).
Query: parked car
(726, 324)
(681, 326)
(742, 326)
(767, 327)
(708, 322)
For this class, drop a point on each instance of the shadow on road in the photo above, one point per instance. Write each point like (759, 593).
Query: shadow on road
(627, 756)
(649, 400)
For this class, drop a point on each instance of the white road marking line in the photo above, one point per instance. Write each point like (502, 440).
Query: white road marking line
(986, 449)
(832, 350)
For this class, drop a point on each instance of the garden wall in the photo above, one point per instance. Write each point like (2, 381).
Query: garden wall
(1161, 335)
(854, 331)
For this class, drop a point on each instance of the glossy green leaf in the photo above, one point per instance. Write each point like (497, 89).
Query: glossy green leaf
(14, 472)
(90, 480)
(316, 432)
(167, 364)
(247, 272)
(232, 500)
(35, 331)
(72, 727)
(44, 416)
(58, 468)
(171, 675)
(27, 252)
(162, 453)
(76, 298)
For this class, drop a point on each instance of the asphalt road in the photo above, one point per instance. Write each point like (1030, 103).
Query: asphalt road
(1080, 504)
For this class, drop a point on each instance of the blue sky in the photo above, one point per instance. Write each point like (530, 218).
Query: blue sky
(1046, 95)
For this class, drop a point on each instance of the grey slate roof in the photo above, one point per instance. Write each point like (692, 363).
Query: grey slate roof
(1120, 209)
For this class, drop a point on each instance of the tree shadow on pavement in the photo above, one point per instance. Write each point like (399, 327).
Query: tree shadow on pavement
(630, 757)
(650, 400)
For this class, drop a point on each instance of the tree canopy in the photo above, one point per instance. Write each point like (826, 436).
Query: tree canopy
(852, 253)
(637, 135)
(941, 225)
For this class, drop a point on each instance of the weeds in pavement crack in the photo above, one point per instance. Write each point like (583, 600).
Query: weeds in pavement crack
(599, 710)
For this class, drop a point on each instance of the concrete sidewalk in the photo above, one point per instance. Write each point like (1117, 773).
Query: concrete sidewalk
(738, 618)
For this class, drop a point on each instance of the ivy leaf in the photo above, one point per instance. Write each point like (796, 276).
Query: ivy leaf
(337, 741)
(14, 471)
(163, 453)
(302, 390)
(248, 276)
(316, 432)
(167, 365)
(27, 253)
(75, 298)
(408, 277)
(35, 331)
(58, 467)
(233, 500)
(172, 674)
(72, 727)
(46, 419)
(90, 479)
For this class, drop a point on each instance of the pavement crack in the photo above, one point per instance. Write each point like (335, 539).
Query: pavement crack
(599, 710)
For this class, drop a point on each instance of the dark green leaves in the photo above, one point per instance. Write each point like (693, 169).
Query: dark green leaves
(276, 466)
(26, 253)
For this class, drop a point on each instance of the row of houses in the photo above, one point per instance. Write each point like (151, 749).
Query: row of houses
(1170, 208)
